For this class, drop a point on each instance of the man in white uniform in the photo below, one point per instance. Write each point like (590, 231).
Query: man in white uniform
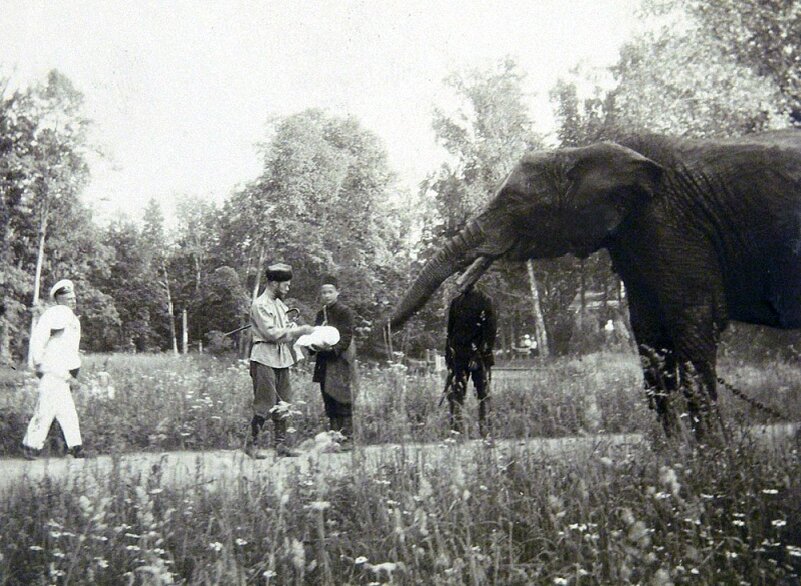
(54, 351)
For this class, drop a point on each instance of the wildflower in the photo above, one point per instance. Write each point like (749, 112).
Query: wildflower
(662, 578)
(769, 491)
(794, 551)
(320, 505)
(268, 574)
(156, 491)
(559, 581)
(216, 546)
(102, 563)
(133, 548)
(738, 523)
(388, 567)
(360, 560)
(298, 554)
(55, 534)
(239, 541)
(778, 522)
(58, 554)
(36, 548)
(669, 479)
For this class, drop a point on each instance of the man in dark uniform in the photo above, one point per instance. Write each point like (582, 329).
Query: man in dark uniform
(469, 353)
(335, 366)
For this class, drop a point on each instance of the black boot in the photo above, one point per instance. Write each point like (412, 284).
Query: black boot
(456, 417)
(282, 450)
(30, 453)
(484, 427)
(77, 452)
(251, 448)
(346, 429)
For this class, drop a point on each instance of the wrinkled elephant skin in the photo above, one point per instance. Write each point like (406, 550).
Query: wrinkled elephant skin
(700, 232)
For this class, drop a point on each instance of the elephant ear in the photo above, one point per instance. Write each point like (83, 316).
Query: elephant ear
(607, 181)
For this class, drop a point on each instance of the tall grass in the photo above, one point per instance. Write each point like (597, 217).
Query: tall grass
(192, 402)
(482, 516)
(652, 514)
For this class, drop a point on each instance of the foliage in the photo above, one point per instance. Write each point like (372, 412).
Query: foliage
(324, 204)
(43, 154)
(761, 36)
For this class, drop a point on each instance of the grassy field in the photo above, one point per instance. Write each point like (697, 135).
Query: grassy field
(660, 515)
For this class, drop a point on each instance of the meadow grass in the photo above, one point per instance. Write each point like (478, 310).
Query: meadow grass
(200, 402)
(659, 514)
(486, 516)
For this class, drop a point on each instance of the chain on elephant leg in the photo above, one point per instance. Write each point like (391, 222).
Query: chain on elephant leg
(705, 417)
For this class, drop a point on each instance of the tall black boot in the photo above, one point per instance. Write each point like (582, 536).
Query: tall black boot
(484, 427)
(456, 417)
(251, 448)
(281, 448)
(346, 429)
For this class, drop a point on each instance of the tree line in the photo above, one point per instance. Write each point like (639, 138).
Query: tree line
(327, 201)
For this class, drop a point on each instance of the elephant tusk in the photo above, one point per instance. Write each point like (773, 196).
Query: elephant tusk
(473, 273)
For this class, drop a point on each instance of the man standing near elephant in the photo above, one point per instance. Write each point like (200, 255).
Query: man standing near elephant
(469, 353)
(270, 359)
(54, 351)
(335, 366)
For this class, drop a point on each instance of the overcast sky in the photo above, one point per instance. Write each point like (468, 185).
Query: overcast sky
(180, 92)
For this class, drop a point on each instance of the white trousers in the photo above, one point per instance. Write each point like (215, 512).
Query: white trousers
(55, 402)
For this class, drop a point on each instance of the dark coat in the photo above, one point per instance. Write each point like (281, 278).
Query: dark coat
(472, 328)
(335, 369)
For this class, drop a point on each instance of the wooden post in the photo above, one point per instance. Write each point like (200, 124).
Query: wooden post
(542, 336)
(185, 334)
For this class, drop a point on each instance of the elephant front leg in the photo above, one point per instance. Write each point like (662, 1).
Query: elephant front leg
(661, 381)
(695, 335)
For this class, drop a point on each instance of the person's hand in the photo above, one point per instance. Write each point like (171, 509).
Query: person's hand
(305, 330)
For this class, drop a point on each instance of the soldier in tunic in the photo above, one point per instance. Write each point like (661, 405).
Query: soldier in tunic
(271, 357)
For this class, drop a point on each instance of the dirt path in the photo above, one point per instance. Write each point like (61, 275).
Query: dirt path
(226, 469)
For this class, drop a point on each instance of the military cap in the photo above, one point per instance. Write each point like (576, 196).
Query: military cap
(279, 272)
(329, 280)
(63, 287)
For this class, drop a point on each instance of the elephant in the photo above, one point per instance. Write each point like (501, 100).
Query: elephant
(700, 232)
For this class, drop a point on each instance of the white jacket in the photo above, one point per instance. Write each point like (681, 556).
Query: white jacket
(55, 341)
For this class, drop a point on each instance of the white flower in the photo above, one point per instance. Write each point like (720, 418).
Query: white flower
(36, 548)
(559, 581)
(268, 574)
(216, 546)
(770, 491)
(778, 522)
(360, 560)
(320, 505)
(738, 523)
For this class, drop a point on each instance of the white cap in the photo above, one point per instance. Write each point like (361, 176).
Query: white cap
(65, 284)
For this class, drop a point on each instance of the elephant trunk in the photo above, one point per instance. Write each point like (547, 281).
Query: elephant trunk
(454, 256)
